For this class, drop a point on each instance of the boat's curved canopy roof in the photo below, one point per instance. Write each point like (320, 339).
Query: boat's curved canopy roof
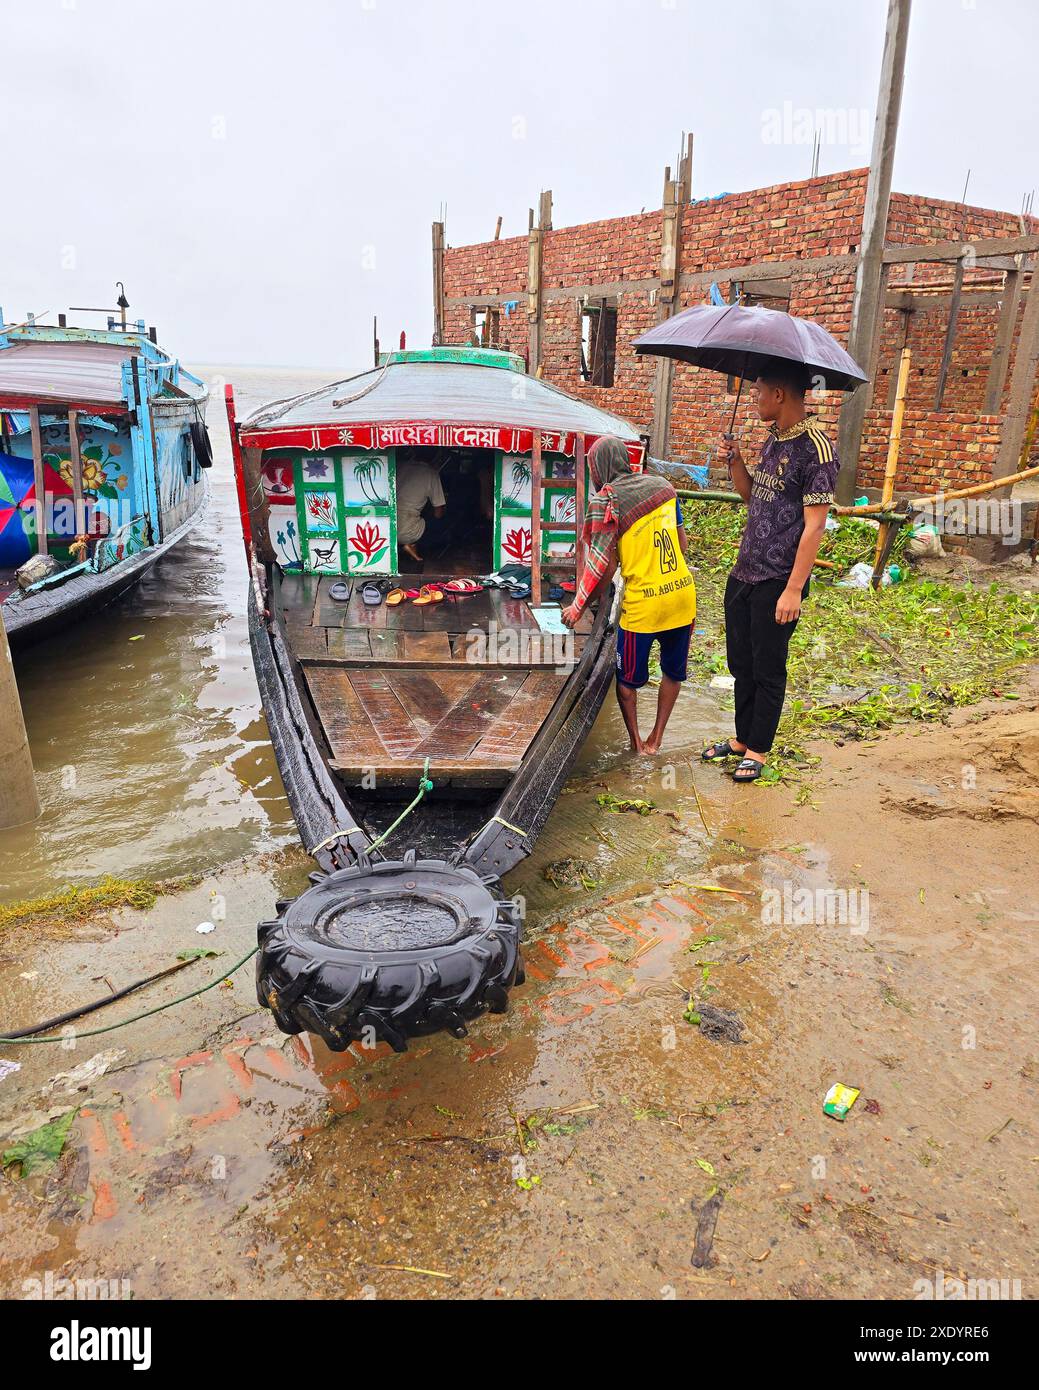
(64, 371)
(452, 387)
(49, 371)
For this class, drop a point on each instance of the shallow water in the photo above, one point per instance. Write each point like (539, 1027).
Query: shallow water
(149, 744)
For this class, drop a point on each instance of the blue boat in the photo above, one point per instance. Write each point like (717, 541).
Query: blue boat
(103, 452)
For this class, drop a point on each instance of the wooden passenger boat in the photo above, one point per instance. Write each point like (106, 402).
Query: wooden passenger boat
(487, 695)
(103, 444)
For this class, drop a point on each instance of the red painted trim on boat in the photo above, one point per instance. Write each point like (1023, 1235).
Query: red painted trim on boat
(51, 404)
(239, 474)
(404, 433)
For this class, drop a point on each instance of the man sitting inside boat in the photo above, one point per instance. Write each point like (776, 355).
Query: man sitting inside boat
(635, 521)
(418, 485)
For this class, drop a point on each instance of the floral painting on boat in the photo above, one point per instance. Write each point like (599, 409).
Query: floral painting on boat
(322, 509)
(367, 542)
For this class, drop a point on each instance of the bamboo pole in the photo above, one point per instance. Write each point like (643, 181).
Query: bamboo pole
(19, 801)
(891, 466)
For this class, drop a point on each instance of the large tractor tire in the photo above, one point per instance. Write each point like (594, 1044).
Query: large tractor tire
(389, 951)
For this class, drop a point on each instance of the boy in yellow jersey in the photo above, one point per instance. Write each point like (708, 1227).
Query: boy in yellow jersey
(634, 521)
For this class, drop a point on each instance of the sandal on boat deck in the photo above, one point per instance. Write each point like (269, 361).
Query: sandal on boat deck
(749, 770)
(371, 595)
(340, 592)
(455, 588)
(429, 593)
(395, 596)
(719, 751)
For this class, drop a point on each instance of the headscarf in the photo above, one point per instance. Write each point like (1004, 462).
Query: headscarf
(621, 496)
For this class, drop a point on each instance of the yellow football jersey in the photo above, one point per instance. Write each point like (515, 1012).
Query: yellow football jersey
(659, 593)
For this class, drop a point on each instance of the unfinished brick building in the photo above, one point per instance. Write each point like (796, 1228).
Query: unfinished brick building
(956, 294)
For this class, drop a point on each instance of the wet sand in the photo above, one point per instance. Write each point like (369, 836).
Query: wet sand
(566, 1149)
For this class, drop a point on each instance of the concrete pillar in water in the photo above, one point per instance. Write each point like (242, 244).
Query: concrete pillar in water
(18, 799)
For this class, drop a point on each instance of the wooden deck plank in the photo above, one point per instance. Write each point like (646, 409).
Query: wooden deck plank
(298, 592)
(348, 643)
(428, 697)
(427, 646)
(335, 612)
(512, 612)
(404, 774)
(387, 647)
(309, 643)
(457, 734)
(399, 736)
(348, 729)
(403, 617)
(511, 734)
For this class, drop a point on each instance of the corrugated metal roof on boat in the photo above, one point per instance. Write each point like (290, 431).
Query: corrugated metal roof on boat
(78, 371)
(445, 392)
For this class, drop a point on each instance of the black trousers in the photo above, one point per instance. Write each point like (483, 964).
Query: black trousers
(756, 648)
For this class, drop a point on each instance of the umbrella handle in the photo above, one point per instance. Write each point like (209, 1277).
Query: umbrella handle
(736, 403)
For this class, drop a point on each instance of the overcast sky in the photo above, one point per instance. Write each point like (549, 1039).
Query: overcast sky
(262, 174)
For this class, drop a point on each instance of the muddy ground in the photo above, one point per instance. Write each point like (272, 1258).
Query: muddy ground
(566, 1149)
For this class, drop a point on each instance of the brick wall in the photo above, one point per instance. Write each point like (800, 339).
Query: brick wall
(807, 220)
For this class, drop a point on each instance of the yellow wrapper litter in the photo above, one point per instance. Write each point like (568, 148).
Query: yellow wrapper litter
(839, 1100)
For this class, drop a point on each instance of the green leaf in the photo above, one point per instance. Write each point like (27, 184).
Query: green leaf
(704, 941)
(197, 953)
(707, 1167)
(40, 1150)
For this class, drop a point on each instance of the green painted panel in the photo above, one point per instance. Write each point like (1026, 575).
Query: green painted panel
(346, 505)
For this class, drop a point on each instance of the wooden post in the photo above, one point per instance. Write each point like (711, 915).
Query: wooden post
(675, 192)
(579, 490)
(535, 519)
(1022, 386)
(997, 373)
(950, 333)
(535, 251)
(39, 479)
(891, 467)
(77, 475)
(19, 802)
(866, 306)
(438, 284)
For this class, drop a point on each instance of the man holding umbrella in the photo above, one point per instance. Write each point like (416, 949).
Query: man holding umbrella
(788, 494)
(788, 497)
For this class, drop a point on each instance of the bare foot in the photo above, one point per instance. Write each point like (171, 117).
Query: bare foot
(637, 746)
(651, 745)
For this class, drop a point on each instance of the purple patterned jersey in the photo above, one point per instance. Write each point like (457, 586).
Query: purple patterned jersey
(798, 469)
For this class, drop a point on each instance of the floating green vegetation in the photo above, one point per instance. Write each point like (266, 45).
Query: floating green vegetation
(862, 661)
(69, 904)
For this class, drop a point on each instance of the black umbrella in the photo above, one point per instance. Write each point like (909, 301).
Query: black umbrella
(741, 342)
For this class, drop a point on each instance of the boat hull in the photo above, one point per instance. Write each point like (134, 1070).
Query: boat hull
(34, 617)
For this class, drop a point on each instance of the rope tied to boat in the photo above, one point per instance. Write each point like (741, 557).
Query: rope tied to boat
(425, 785)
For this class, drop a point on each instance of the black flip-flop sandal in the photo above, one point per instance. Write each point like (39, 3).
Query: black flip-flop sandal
(751, 769)
(717, 752)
